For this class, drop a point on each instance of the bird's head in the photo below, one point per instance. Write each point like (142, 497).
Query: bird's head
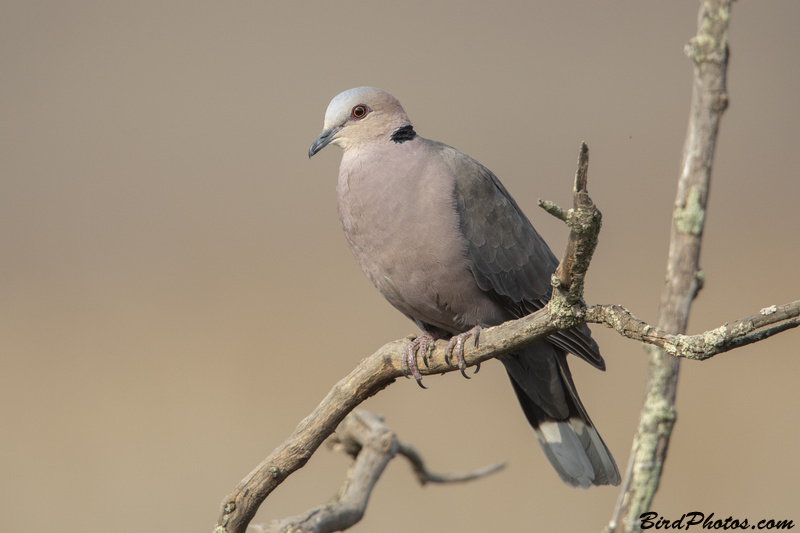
(360, 115)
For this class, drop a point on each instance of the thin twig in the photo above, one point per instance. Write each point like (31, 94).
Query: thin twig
(425, 476)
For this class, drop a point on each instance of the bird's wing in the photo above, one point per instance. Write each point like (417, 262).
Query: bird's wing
(508, 258)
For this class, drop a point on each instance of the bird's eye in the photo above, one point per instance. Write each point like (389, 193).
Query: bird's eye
(359, 111)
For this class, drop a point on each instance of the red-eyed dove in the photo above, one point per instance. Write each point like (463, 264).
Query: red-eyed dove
(443, 241)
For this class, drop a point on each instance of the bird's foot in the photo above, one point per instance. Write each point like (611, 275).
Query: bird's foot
(408, 363)
(456, 347)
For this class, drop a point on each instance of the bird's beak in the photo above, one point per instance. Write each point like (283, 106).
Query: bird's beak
(323, 140)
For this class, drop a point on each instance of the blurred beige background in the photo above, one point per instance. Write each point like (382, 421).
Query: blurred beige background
(176, 294)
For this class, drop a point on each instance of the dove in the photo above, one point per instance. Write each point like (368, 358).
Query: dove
(444, 242)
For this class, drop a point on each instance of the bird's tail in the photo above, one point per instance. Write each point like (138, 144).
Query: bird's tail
(546, 392)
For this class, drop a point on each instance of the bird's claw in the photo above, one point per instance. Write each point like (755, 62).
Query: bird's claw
(423, 345)
(455, 347)
(408, 362)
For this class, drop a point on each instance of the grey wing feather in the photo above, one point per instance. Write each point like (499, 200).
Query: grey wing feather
(507, 256)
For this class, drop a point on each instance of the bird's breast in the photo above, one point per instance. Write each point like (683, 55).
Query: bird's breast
(403, 229)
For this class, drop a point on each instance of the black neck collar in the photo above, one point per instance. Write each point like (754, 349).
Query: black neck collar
(403, 134)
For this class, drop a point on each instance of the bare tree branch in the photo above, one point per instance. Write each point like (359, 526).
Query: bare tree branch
(584, 221)
(703, 345)
(709, 53)
(372, 444)
(425, 476)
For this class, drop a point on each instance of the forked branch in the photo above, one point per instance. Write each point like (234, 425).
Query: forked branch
(372, 444)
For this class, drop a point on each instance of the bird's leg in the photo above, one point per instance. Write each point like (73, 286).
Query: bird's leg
(456, 347)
